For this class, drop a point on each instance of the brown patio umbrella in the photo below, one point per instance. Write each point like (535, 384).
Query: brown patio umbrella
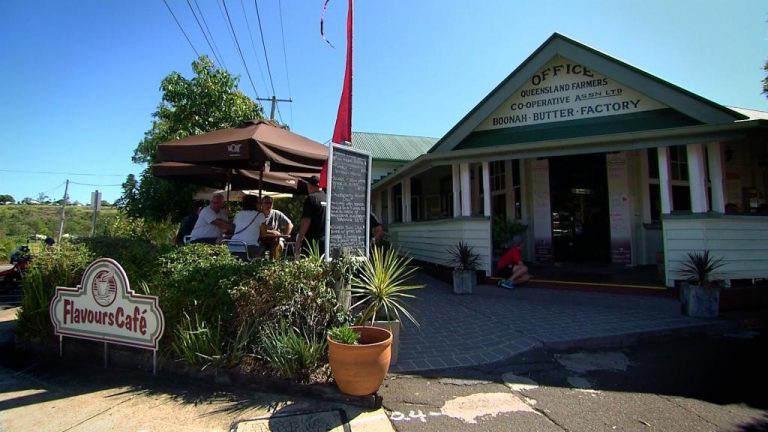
(238, 179)
(248, 146)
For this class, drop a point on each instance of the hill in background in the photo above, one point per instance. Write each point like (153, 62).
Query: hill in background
(19, 222)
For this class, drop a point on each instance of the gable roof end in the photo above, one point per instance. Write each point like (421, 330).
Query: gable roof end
(675, 97)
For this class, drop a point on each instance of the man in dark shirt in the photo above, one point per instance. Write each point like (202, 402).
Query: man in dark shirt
(377, 231)
(312, 226)
(188, 222)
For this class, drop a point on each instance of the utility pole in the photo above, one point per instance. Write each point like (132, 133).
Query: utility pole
(95, 207)
(61, 219)
(274, 101)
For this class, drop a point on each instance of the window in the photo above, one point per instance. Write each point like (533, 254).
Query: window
(516, 186)
(397, 192)
(678, 163)
(678, 176)
(497, 176)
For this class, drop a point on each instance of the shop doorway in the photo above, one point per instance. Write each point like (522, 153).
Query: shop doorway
(580, 214)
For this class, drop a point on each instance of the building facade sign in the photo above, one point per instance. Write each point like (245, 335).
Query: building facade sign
(542, 211)
(619, 207)
(104, 308)
(564, 90)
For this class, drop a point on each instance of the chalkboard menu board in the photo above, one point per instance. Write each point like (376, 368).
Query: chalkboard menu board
(348, 201)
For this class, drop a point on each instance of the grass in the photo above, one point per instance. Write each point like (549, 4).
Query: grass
(19, 222)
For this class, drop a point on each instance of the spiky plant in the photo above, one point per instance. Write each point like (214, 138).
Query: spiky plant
(699, 268)
(344, 335)
(463, 257)
(381, 284)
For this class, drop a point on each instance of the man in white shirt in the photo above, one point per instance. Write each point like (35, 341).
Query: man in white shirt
(212, 222)
(247, 223)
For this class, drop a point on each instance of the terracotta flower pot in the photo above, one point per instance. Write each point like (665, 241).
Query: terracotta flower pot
(360, 369)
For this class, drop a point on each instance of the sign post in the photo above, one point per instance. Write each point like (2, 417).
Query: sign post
(104, 308)
(349, 201)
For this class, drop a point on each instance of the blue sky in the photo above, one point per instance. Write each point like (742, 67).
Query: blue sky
(79, 79)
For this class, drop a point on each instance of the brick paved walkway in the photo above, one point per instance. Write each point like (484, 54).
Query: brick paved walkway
(493, 324)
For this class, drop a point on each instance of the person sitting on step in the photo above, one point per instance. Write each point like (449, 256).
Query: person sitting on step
(511, 266)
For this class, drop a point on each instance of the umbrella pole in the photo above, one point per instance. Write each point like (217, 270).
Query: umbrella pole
(261, 179)
(228, 186)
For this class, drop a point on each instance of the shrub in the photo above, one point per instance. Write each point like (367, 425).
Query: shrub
(197, 342)
(504, 230)
(60, 266)
(297, 292)
(123, 226)
(137, 256)
(199, 278)
(292, 353)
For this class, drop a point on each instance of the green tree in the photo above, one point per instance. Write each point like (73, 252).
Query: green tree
(765, 80)
(208, 101)
(7, 198)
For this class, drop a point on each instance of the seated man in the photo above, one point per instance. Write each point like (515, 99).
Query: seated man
(275, 225)
(247, 222)
(188, 222)
(212, 222)
(511, 266)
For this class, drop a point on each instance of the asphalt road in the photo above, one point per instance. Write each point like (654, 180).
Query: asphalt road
(710, 382)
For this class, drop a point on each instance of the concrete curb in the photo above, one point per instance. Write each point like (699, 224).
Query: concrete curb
(76, 351)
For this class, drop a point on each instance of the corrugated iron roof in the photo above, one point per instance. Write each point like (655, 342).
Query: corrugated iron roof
(751, 113)
(392, 147)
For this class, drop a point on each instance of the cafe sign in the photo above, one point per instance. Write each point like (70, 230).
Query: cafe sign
(104, 308)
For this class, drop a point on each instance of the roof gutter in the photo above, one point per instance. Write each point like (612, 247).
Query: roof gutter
(570, 146)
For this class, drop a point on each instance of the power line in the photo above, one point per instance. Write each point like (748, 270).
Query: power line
(91, 184)
(62, 173)
(200, 26)
(216, 47)
(266, 58)
(181, 28)
(253, 45)
(247, 72)
(285, 58)
(53, 189)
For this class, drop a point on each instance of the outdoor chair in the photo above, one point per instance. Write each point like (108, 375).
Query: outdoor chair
(240, 249)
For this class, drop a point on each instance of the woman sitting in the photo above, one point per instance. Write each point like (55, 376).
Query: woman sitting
(247, 222)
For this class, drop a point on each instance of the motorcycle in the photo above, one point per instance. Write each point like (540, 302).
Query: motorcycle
(10, 274)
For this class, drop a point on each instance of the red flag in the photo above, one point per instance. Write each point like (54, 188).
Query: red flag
(342, 132)
(324, 175)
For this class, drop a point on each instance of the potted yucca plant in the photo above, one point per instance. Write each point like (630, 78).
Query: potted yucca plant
(360, 356)
(700, 296)
(464, 261)
(380, 286)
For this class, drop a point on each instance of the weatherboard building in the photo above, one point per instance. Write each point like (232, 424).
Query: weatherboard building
(604, 162)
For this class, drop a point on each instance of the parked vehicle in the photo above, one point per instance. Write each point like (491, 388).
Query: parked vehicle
(10, 274)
